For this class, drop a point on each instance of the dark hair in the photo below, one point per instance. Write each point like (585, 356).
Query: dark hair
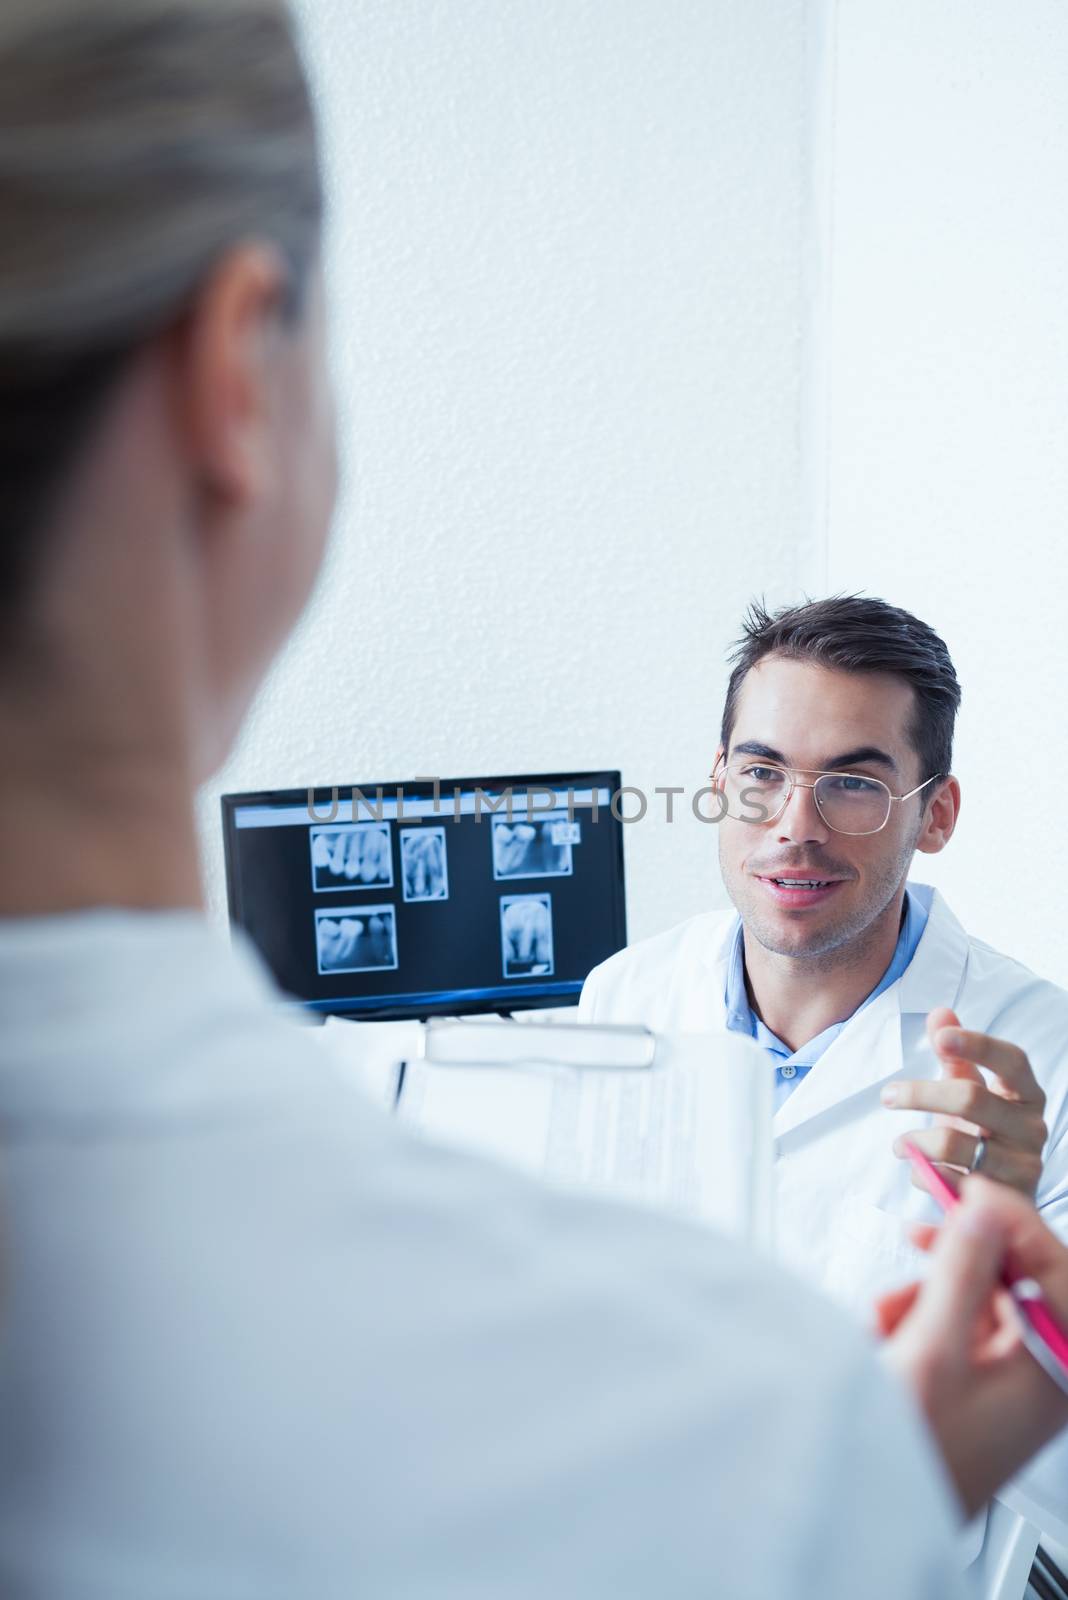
(853, 633)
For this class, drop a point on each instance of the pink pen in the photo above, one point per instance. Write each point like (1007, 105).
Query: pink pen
(1039, 1328)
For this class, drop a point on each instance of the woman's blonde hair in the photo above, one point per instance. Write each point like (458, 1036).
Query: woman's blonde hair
(139, 140)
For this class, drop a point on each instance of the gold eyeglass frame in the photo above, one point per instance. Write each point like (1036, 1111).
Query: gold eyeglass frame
(791, 772)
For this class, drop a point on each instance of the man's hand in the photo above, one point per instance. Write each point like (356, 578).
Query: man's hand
(955, 1339)
(1008, 1114)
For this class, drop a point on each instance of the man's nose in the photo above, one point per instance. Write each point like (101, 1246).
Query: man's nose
(801, 822)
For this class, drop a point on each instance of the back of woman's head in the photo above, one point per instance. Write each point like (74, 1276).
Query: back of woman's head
(139, 141)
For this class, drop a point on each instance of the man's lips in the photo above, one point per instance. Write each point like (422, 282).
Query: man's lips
(801, 873)
(796, 888)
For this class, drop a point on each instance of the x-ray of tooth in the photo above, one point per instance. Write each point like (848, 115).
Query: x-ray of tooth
(354, 856)
(424, 864)
(530, 849)
(526, 935)
(356, 939)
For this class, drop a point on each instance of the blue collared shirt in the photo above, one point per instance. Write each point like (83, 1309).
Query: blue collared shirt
(791, 1067)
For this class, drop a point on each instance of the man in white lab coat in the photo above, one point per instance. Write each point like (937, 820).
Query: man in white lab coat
(833, 770)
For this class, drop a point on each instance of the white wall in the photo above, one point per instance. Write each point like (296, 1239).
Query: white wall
(948, 423)
(568, 264)
(597, 388)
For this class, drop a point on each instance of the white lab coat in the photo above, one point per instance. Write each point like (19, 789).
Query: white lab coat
(843, 1197)
(256, 1341)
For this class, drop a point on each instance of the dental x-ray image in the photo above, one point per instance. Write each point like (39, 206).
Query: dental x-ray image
(424, 867)
(354, 856)
(445, 935)
(356, 939)
(527, 935)
(540, 849)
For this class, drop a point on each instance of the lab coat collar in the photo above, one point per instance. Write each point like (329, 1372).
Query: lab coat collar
(936, 972)
(873, 1044)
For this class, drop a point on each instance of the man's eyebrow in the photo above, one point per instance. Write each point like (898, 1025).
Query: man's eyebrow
(851, 758)
(863, 753)
(751, 747)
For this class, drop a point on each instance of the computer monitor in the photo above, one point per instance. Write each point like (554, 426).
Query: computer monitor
(430, 896)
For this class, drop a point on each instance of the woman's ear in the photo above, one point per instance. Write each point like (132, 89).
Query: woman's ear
(226, 374)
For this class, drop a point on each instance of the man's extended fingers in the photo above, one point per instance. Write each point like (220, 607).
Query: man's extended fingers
(972, 1102)
(1005, 1060)
(1018, 1164)
(942, 1144)
(944, 1021)
(941, 1017)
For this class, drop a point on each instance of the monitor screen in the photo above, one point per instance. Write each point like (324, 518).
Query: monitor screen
(432, 896)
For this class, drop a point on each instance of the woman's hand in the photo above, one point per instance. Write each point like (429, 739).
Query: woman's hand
(955, 1338)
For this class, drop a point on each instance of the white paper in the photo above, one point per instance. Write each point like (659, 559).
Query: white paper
(491, 1042)
(691, 1135)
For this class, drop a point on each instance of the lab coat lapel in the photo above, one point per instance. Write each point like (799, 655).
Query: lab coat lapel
(867, 1051)
(710, 980)
(935, 975)
(884, 1040)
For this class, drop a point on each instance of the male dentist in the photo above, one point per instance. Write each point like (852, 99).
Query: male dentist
(833, 769)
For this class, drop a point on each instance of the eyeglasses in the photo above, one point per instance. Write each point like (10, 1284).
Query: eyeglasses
(754, 791)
